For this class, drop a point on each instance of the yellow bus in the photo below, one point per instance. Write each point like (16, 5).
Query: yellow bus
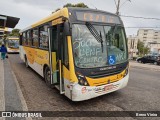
(82, 52)
(12, 44)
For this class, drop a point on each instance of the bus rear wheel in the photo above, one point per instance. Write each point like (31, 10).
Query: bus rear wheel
(47, 76)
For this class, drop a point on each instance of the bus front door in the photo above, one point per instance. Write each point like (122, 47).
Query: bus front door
(55, 56)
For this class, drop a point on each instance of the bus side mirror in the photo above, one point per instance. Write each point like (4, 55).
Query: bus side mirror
(67, 29)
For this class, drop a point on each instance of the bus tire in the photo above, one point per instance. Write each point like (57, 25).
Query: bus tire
(26, 62)
(47, 76)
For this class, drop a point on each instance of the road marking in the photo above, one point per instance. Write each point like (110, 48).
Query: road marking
(2, 98)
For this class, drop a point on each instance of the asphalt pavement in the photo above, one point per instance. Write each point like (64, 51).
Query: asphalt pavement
(149, 66)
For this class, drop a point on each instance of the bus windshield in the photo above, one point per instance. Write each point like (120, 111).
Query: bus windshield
(89, 53)
(13, 43)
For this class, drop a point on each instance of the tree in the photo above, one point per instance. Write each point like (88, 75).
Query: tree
(69, 5)
(15, 32)
(142, 49)
(73, 5)
(76, 5)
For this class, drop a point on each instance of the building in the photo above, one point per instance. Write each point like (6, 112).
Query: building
(132, 46)
(154, 47)
(149, 35)
(2, 32)
(151, 38)
(5, 23)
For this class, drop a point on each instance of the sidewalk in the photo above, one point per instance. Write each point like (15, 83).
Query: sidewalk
(144, 66)
(11, 97)
(2, 99)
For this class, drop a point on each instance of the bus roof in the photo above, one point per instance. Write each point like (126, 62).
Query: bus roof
(88, 9)
(65, 12)
(60, 13)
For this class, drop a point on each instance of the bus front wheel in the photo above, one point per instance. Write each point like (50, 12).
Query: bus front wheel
(47, 76)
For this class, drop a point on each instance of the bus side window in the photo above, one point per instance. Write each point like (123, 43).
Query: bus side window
(29, 37)
(44, 38)
(24, 40)
(54, 38)
(35, 37)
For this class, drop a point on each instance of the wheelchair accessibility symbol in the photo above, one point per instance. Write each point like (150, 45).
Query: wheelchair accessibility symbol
(111, 59)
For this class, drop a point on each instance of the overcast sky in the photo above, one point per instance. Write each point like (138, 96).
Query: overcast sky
(30, 11)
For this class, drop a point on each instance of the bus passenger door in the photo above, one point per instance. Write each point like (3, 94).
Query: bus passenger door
(52, 55)
(55, 60)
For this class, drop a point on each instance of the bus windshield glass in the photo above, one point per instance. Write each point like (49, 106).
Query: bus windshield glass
(13, 43)
(90, 53)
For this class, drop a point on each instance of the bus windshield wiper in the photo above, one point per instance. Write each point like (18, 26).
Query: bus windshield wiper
(95, 33)
(101, 41)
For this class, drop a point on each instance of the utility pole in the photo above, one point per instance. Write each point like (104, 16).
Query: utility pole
(117, 12)
(118, 5)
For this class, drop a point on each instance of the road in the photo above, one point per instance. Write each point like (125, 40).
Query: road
(141, 94)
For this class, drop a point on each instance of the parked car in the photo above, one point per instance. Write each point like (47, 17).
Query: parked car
(158, 60)
(149, 59)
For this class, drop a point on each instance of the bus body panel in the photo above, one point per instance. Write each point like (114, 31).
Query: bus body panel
(80, 93)
(104, 80)
(54, 62)
(73, 77)
(36, 58)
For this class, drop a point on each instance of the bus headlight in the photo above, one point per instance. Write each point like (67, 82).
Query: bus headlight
(82, 80)
(126, 72)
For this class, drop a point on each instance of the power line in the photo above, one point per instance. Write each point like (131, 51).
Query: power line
(124, 3)
(140, 17)
(142, 27)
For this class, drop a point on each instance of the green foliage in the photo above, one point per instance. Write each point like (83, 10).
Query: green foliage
(142, 49)
(15, 32)
(69, 5)
(76, 5)
(73, 5)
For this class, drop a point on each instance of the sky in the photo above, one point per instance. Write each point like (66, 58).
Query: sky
(31, 11)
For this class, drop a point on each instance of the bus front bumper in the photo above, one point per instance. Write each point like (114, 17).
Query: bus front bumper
(80, 93)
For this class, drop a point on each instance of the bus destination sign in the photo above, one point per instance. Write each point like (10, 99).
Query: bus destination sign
(97, 17)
